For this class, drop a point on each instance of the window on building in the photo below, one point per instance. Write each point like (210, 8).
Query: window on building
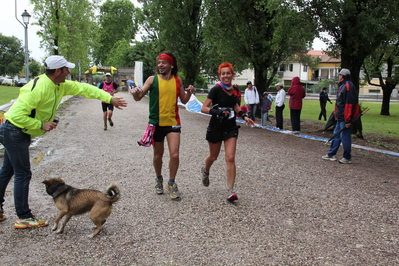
(291, 67)
(282, 67)
(305, 68)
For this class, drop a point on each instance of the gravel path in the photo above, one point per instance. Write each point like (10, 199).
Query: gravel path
(293, 209)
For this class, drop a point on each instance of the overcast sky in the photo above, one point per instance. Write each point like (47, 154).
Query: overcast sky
(9, 26)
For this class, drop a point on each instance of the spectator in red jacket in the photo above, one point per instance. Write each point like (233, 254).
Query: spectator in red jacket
(296, 93)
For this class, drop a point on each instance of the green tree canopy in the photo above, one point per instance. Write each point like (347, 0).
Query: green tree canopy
(12, 55)
(260, 34)
(68, 28)
(118, 22)
(34, 68)
(177, 26)
(357, 27)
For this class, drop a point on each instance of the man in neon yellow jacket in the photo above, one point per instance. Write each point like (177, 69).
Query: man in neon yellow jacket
(32, 115)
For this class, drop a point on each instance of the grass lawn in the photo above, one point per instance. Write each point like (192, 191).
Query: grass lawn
(8, 93)
(372, 121)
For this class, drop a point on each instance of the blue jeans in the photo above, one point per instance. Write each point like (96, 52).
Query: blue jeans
(264, 118)
(253, 111)
(344, 137)
(16, 162)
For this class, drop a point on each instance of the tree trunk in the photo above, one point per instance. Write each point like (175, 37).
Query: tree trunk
(260, 83)
(386, 98)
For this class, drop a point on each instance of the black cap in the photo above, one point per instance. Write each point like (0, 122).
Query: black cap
(249, 82)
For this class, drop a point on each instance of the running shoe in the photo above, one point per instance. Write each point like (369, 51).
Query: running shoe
(331, 158)
(233, 196)
(110, 122)
(205, 177)
(105, 127)
(159, 186)
(2, 216)
(173, 191)
(345, 161)
(29, 223)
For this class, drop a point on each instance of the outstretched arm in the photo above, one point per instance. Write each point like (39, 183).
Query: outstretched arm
(118, 102)
(139, 93)
(186, 94)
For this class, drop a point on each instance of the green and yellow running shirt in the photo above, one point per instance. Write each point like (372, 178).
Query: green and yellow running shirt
(164, 110)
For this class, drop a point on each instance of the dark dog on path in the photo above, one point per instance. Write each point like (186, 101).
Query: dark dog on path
(73, 201)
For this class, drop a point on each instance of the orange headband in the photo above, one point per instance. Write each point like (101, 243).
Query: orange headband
(167, 58)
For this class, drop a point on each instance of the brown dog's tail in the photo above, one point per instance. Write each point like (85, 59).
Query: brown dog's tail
(113, 192)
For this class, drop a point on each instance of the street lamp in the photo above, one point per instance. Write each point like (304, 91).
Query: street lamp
(25, 18)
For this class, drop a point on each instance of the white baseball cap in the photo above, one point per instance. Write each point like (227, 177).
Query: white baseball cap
(344, 72)
(108, 74)
(279, 84)
(57, 61)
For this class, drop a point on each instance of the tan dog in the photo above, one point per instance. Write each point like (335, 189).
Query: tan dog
(73, 201)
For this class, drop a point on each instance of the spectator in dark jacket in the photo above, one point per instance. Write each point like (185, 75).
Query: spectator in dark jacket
(346, 109)
(323, 99)
(296, 93)
(265, 106)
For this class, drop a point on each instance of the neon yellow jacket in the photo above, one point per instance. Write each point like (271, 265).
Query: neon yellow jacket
(44, 98)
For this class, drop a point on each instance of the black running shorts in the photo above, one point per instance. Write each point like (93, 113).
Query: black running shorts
(107, 105)
(216, 136)
(161, 132)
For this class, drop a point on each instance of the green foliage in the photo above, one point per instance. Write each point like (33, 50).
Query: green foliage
(68, 28)
(12, 56)
(177, 26)
(328, 83)
(357, 27)
(118, 23)
(118, 55)
(34, 68)
(144, 52)
(98, 77)
(261, 33)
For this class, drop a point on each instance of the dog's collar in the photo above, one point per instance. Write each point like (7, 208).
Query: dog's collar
(55, 188)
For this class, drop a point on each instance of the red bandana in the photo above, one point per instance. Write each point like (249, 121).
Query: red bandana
(167, 58)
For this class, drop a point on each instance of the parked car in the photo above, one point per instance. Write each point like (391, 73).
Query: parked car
(8, 82)
(21, 82)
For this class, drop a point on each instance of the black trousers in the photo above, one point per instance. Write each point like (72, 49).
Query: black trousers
(323, 111)
(279, 116)
(295, 120)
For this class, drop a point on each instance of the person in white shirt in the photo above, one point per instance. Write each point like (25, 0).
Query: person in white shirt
(279, 104)
(251, 98)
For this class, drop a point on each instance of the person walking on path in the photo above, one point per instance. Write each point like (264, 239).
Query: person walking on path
(296, 93)
(32, 115)
(346, 109)
(222, 126)
(265, 105)
(164, 88)
(251, 98)
(111, 87)
(279, 104)
(323, 99)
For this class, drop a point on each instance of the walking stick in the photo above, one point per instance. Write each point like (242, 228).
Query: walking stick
(354, 120)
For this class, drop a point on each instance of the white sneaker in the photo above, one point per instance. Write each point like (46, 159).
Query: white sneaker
(344, 161)
(331, 158)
